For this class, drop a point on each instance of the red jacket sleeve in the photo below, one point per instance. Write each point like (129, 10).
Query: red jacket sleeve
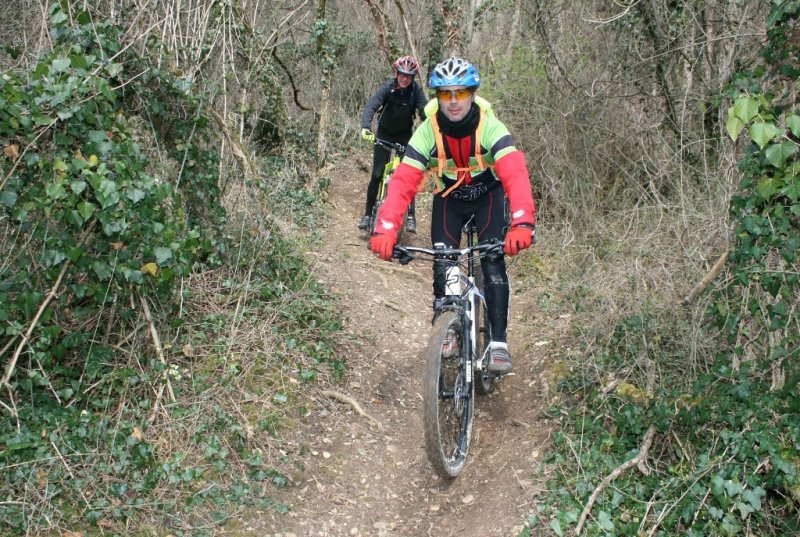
(513, 173)
(402, 189)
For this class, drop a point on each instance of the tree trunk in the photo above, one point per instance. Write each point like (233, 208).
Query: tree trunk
(327, 64)
(384, 30)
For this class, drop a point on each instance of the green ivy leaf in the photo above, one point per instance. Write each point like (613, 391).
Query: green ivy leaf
(604, 519)
(55, 191)
(60, 65)
(54, 257)
(107, 194)
(77, 187)
(745, 108)
(136, 195)
(734, 125)
(792, 189)
(113, 69)
(58, 17)
(555, 525)
(8, 198)
(79, 61)
(163, 255)
(778, 153)
(733, 488)
(86, 209)
(103, 270)
(761, 133)
(41, 119)
(768, 187)
(74, 253)
(793, 124)
(744, 509)
(730, 526)
(61, 138)
(74, 218)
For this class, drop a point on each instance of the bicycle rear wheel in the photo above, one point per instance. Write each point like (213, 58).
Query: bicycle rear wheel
(447, 400)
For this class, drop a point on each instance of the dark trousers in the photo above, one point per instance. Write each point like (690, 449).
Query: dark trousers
(380, 158)
(448, 219)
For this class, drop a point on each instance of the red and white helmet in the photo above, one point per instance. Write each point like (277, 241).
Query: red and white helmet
(406, 65)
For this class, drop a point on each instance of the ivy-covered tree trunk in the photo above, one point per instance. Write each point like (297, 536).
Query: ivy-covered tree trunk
(326, 61)
(384, 31)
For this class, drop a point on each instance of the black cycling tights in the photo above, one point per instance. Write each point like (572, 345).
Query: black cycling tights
(380, 157)
(449, 216)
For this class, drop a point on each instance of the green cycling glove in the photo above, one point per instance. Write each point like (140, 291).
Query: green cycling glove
(367, 135)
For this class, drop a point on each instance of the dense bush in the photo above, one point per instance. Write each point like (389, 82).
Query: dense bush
(115, 293)
(724, 459)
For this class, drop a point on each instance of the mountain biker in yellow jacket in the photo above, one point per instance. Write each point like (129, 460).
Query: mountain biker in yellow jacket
(396, 102)
(479, 172)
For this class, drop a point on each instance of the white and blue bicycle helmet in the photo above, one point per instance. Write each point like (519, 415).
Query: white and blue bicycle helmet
(454, 72)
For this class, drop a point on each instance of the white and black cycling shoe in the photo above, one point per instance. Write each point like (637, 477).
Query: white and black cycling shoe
(499, 358)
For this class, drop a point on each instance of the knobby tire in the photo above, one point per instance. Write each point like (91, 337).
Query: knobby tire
(448, 406)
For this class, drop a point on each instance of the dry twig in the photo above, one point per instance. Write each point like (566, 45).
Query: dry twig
(353, 403)
(638, 460)
(715, 270)
(160, 353)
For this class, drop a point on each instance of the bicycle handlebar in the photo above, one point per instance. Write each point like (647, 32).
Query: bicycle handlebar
(400, 148)
(404, 254)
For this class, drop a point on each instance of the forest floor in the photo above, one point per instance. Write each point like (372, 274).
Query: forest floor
(369, 475)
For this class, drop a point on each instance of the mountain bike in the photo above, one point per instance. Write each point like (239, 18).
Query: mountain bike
(457, 355)
(397, 151)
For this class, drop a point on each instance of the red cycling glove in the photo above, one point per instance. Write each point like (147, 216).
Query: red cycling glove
(517, 239)
(383, 245)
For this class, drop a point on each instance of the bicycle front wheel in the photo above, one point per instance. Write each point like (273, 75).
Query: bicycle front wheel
(447, 397)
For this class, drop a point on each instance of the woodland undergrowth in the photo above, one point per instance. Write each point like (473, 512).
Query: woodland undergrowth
(158, 318)
(680, 410)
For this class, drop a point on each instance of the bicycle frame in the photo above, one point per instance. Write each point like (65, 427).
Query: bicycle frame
(461, 292)
(451, 380)
(397, 151)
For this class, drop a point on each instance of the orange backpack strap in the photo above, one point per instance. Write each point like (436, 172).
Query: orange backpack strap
(442, 157)
(478, 132)
(437, 135)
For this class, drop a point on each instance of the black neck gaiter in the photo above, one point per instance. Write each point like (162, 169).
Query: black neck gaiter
(459, 129)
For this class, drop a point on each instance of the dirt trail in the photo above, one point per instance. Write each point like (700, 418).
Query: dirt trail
(362, 479)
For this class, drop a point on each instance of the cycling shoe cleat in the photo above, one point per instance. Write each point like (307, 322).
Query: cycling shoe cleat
(499, 358)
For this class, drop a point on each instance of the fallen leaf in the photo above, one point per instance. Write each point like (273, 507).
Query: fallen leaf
(118, 245)
(137, 434)
(41, 477)
(187, 350)
(11, 151)
(150, 268)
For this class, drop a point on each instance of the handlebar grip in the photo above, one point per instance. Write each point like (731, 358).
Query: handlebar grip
(402, 255)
